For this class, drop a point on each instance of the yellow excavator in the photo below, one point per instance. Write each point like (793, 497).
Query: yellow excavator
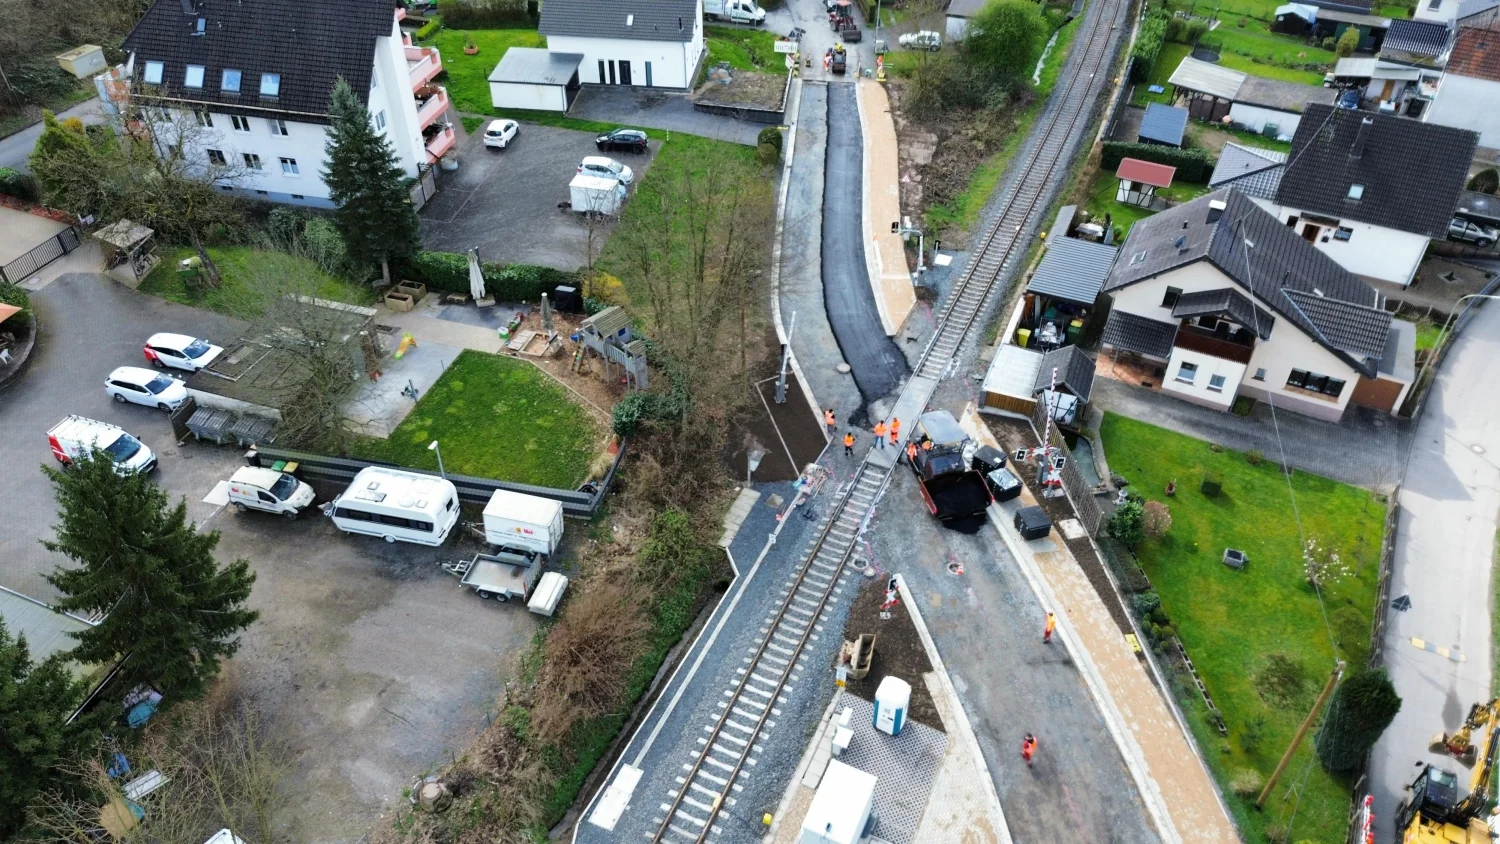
(1435, 812)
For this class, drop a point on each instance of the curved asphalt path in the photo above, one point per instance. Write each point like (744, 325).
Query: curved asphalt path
(877, 364)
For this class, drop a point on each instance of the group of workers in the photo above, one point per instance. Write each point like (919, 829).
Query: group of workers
(881, 431)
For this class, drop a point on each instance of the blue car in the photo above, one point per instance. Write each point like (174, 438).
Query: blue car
(1349, 99)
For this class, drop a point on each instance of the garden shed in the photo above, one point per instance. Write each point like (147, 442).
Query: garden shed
(1163, 125)
(536, 79)
(1139, 181)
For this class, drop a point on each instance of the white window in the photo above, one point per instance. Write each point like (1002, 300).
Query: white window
(241, 124)
(1356, 192)
(153, 73)
(1343, 233)
(270, 84)
(278, 126)
(205, 119)
(194, 76)
(379, 120)
(374, 82)
(1187, 373)
(289, 167)
(216, 157)
(230, 81)
(1216, 383)
(252, 161)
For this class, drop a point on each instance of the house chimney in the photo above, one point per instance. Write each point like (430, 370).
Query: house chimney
(1215, 210)
(1358, 150)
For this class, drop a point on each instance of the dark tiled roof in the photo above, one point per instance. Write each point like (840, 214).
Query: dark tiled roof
(639, 20)
(1075, 371)
(1476, 53)
(309, 42)
(1164, 124)
(1411, 172)
(1282, 96)
(1138, 334)
(1072, 269)
(1226, 302)
(1410, 40)
(1263, 256)
(1359, 330)
(1256, 172)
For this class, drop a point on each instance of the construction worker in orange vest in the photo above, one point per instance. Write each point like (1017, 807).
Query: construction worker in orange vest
(1051, 626)
(1028, 748)
(880, 434)
(849, 444)
(911, 453)
(895, 431)
(830, 421)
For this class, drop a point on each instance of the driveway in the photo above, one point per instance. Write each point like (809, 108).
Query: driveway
(367, 659)
(15, 149)
(505, 201)
(1445, 546)
(21, 232)
(648, 109)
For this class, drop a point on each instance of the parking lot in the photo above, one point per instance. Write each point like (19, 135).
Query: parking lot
(368, 659)
(506, 201)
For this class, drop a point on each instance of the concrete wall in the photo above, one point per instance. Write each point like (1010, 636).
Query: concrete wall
(672, 62)
(1468, 103)
(1255, 118)
(524, 95)
(1436, 11)
(1371, 251)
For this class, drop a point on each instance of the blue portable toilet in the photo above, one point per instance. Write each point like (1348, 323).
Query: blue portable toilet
(892, 698)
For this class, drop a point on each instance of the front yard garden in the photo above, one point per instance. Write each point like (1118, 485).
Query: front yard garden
(468, 76)
(495, 417)
(744, 49)
(1258, 636)
(236, 296)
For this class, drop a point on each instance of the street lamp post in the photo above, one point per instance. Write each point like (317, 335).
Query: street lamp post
(433, 447)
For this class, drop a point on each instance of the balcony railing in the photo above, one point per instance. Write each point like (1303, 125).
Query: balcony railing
(1195, 339)
(423, 63)
(432, 109)
(440, 143)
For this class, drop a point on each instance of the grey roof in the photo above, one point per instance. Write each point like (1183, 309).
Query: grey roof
(1400, 358)
(1345, 5)
(1072, 269)
(1268, 260)
(1013, 371)
(1075, 372)
(310, 44)
(638, 20)
(1282, 96)
(1411, 172)
(1136, 333)
(1207, 78)
(536, 66)
(965, 8)
(1478, 205)
(46, 629)
(1474, 7)
(609, 321)
(1412, 40)
(1227, 302)
(1164, 124)
(1250, 170)
(1371, 21)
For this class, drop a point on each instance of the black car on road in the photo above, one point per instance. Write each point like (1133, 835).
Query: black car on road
(630, 140)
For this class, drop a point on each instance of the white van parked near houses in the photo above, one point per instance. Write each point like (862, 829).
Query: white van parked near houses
(77, 436)
(269, 490)
(396, 506)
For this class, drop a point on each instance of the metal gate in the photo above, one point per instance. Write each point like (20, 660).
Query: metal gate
(40, 255)
(424, 187)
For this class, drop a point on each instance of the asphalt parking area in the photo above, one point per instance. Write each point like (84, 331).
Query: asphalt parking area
(370, 661)
(506, 201)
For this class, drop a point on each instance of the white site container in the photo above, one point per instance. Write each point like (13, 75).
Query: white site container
(595, 195)
(528, 522)
(840, 811)
(892, 698)
(548, 592)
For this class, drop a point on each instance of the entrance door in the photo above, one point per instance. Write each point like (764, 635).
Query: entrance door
(1310, 233)
(612, 73)
(648, 74)
(625, 73)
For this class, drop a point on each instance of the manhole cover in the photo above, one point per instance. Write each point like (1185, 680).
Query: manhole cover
(843, 368)
(1477, 448)
(955, 569)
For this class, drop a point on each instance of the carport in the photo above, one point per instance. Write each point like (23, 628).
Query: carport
(534, 78)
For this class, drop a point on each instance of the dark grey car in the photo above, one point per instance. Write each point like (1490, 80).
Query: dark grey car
(630, 140)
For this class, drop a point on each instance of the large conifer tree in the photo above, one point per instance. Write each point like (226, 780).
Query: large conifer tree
(1362, 707)
(35, 701)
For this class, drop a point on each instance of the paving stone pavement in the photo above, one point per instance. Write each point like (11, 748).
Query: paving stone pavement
(904, 767)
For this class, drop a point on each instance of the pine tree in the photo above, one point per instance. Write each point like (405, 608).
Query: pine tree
(165, 600)
(374, 213)
(1362, 707)
(35, 701)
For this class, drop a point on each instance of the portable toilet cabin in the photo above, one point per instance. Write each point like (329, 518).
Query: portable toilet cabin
(892, 698)
(840, 810)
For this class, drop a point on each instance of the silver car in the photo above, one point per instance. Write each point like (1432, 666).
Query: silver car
(1468, 232)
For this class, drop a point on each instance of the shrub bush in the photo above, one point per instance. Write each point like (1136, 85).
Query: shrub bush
(1128, 523)
(10, 294)
(1330, 43)
(1148, 43)
(483, 14)
(1212, 485)
(1175, 26)
(449, 272)
(770, 135)
(767, 154)
(1347, 43)
(324, 245)
(1246, 782)
(24, 186)
(429, 29)
(1254, 457)
(1193, 165)
(1485, 181)
(1147, 603)
(285, 223)
(1362, 707)
(1194, 30)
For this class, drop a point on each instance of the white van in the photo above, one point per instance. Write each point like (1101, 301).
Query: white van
(76, 437)
(517, 520)
(396, 506)
(269, 490)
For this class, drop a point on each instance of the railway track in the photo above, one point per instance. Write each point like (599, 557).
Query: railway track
(707, 786)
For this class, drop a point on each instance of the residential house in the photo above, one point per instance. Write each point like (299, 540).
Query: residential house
(1371, 190)
(641, 43)
(258, 77)
(1468, 95)
(1224, 301)
(1253, 171)
(1403, 76)
(1213, 92)
(1479, 13)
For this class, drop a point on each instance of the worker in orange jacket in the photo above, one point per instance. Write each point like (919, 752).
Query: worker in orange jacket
(1051, 626)
(880, 434)
(849, 444)
(830, 421)
(895, 431)
(1028, 748)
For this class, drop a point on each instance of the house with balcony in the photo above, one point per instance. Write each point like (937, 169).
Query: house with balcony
(1218, 300)
(258, 78)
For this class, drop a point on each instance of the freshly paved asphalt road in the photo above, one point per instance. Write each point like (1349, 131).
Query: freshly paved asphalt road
(1445, 546)
(648, 109)
(878, 364)
(15, 149)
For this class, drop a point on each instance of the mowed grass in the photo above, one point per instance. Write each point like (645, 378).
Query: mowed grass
(1255, 68)
(1230, 621)
(1102, 201)
(467, 77)
(1167, 60)
(494, 417)
(236, 296)
(744, 48)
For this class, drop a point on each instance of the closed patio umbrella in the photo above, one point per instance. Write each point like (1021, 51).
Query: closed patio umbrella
(476, 276)
(546, 315)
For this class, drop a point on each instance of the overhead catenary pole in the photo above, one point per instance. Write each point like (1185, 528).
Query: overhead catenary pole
(786, 359)
(1333, 680)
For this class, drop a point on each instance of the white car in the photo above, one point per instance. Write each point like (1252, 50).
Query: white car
(180, 351)
(606, 168)
(500, 133)
(144, 386)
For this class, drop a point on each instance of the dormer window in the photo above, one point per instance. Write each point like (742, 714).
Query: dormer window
(152, 76)
(270, 84)
(1356, 192)
(202, 26)
(630, 20)
(230, 82)
(193, 78)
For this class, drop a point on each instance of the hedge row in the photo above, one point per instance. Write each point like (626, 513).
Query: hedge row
(1193, 165)
(449, 272)
(20, 185)
(487, 14)
(429, 29)
(1148, 45)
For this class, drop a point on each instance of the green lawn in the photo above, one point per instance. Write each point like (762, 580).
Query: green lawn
(744, 48)
(1255, 68)
(1230, 621)
(1244, 138)
(1167, 61)
(467, 78)
(1427, 334)
(495, 417)
(1102, 201)
(234, 296)
(1268, 47)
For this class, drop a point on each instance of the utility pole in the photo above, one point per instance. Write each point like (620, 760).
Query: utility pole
(786, 359)
(1333, 680)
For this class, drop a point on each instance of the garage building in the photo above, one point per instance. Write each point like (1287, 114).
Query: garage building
(536, 79)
